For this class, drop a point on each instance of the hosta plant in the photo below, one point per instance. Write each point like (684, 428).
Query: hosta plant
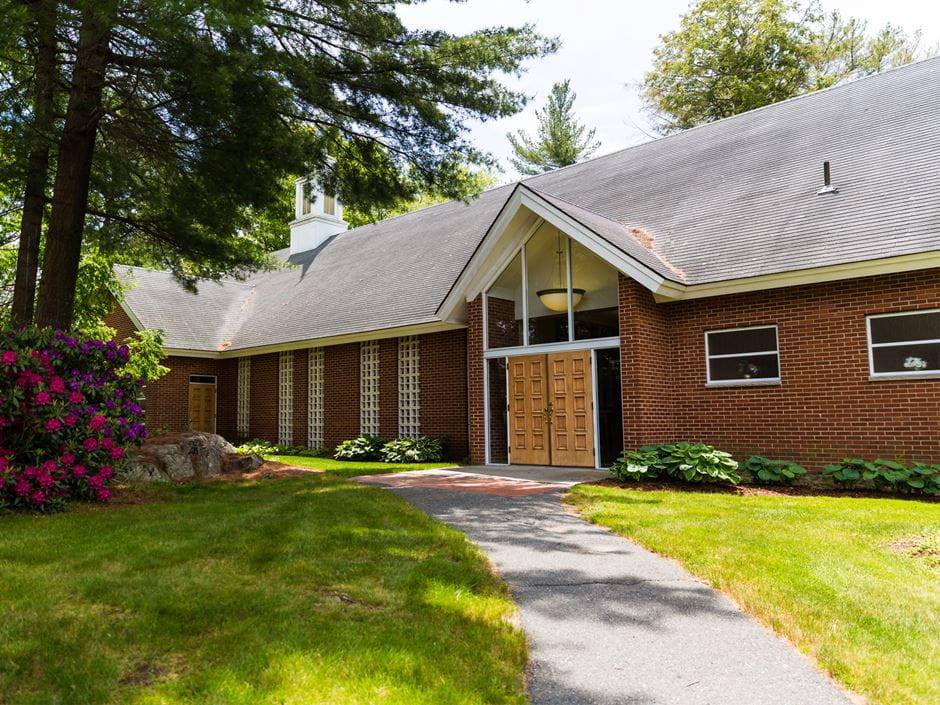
(888, 475)
(261, 447)
(766, 471)
(636, 466)
(68, 413)
(413, 450)
(686, 462)
(361, 448)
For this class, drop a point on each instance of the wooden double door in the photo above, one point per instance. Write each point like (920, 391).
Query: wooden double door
(551, 409)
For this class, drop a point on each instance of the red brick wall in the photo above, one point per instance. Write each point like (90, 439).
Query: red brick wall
(645, 367)
(443, 368)
(477, 418)
(121, 322)
(826, 406)
(227, 399)
(262, 417)
(340, 393)
(388, 388)
(167, 399)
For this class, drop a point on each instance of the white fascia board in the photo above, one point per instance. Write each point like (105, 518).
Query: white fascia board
(130, 314)
(816, 275)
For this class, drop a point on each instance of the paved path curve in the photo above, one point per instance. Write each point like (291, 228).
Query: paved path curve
(608, 622)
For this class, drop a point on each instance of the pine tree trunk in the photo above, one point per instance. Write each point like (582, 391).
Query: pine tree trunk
(34, 197)
(70, 193)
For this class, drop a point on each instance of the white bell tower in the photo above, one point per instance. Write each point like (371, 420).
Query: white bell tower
(318, 216)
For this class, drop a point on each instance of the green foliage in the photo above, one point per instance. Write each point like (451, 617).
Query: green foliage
(886, 475)
(361, 448)
(340, 90)
(413, 450)
(146, 355)
(730, 56)
(765, 471)
(266, 448)
(472, 183)
(97, 288)
(686, 462)
(561, 139)
(636, 466)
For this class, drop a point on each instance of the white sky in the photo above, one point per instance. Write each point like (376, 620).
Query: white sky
(606, 46)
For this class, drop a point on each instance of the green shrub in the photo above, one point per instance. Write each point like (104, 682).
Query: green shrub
(362, 448)
(848, 472)
(766, 471)
(887, 475)
(687, 462)
(636, 466)
(413, 450)
(267, 448)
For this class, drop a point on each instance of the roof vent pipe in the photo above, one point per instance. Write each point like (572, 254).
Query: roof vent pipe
(827, 182)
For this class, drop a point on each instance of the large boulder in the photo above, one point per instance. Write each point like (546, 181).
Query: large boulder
(173, 457)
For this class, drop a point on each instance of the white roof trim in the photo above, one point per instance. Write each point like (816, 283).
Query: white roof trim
(480, 269)
(800, 277)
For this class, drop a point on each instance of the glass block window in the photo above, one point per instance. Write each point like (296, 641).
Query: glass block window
(243, 404)
(409, 388)
(742, 355)
(285, 398)
(315, 398)
(904, 344)
(369, 388)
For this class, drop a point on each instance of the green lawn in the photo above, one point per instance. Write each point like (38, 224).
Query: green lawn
(345, 468)
(309, 590)
(819, 570)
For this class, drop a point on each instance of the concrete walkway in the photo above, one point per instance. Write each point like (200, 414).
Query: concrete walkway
(608, 622)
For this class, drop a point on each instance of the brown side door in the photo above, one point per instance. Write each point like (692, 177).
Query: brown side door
(202, 407)
(528, 420)
(551, 412)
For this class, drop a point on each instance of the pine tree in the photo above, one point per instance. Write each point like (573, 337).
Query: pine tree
(176, 122)
(561, 139)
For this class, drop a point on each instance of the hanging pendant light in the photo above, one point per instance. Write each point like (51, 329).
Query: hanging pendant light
(556, 298)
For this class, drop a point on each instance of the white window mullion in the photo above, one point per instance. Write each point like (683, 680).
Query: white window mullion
(243, 403)
(369, 388)
(285, 398)
(315, 398)
(409, 388)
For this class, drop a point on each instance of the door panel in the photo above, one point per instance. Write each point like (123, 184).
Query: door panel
(202, 407)
(572, 409)
(528, 399)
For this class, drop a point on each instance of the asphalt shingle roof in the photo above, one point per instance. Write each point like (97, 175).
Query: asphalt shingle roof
(731, 199)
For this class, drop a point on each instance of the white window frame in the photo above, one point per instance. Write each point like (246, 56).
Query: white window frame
(243, 403)
(315, 413)
(762, 381)
(369, 419)
(285, 398)
(572, 343)
(409, 387)
(872, 375)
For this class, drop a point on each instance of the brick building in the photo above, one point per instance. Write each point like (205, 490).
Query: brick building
(709, 286)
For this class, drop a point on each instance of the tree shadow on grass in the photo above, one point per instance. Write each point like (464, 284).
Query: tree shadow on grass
(304, 591)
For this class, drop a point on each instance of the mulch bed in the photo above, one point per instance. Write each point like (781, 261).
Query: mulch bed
(756, 491)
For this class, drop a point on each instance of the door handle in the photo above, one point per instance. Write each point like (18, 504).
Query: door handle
(548, 412)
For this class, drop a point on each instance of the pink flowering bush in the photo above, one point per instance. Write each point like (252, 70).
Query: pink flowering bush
(67, 417)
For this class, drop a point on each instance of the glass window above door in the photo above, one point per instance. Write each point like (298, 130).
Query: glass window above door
(553, 291)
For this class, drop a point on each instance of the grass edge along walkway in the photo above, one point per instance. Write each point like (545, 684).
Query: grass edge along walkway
(821, 571)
